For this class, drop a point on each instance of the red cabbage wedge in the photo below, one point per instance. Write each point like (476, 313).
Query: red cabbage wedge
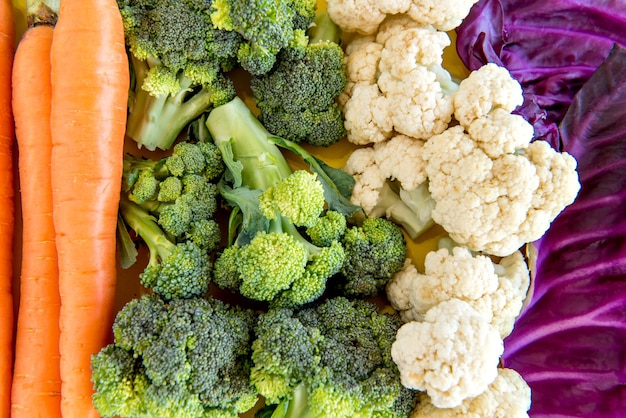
(550, 46)
(570, 342)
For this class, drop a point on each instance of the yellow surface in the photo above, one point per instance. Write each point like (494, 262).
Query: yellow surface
(335, 155)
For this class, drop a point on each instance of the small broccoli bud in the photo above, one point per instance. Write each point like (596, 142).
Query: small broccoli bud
(170, 189)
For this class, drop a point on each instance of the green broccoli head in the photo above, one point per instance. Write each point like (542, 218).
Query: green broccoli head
(119, 383)
(175, 269)
(196, 364)
(266, 26)
(177, 189)
(178, 63)
(298, 197)
(269, 264)
(297, 99)
(344, 371)
(178, 271)
(284, 353)
(375, 251)
(328, 228)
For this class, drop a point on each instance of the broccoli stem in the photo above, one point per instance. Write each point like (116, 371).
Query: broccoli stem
(156, 121)
(323, 29)
(144, 225)
(254, 160)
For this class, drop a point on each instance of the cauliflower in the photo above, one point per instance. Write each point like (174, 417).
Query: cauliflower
(495, 290)
(496, 204)
(486, 88)
(444, 15)
(396, 83)
(365, 16)
(384, 187)
(453, 354)
(508, 396)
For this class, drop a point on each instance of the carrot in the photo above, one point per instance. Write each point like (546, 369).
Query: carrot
(90, 81)
(7, 195)
(36, 389)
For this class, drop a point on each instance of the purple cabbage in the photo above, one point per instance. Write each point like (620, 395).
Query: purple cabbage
(550, 46)
(570, 342)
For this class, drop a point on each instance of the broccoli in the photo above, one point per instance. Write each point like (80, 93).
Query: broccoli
(175, 269)
(178, 62)
(184, 358)
(266, 26)
(269, 257)
(297, 99)
(331, 359)
(375, 250)
(179, 190)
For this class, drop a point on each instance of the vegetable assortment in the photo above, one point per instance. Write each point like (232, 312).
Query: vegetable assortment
(194, 146)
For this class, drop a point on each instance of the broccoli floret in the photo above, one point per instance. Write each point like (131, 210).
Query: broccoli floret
(331, 359)
(175, 269)
(328, 228)
(269, 256)
(375, 250)
(178, 189)
(297, 99)
(178, 64)
(266, 26)
(196, 362)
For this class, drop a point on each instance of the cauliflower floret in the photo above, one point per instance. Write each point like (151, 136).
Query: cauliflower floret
(412, 48)
(486, 88)
(363, 16)
(362, 57)
(418, 106)
(367, 176)
(496, 291)
(558, 186)
(496, 205)
(501, 132)
(396, 82)
(444, 15)
(366, 114)
(452, 355)
(372, 166)
(508, 396)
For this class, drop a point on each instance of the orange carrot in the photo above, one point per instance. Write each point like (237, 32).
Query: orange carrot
(36, 389)
(7, 216)
(90, 81)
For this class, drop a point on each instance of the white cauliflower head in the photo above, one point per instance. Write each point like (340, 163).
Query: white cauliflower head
(366, 114)
(508, 396)
(363, 16)
(495, 290)
(396, 83)
(495, 205)
(486, 88)
(444, 15)
(452, 355)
